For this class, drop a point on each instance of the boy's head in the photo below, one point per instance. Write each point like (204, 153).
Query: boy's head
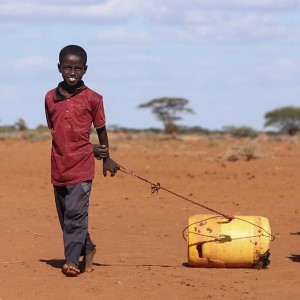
(72, 66)
(74, 50)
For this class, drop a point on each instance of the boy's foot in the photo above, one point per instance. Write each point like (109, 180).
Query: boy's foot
(70, 270)
(88, 261)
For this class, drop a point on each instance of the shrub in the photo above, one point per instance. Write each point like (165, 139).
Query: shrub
(246, 150)
(243, 132)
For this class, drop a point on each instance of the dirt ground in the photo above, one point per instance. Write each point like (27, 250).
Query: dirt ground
(141, 253)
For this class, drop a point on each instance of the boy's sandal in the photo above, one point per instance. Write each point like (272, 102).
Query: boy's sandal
(70, 270)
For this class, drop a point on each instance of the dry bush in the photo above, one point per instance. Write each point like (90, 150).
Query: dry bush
(246, 150)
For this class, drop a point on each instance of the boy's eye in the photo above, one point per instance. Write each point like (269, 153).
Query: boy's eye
(75, 68)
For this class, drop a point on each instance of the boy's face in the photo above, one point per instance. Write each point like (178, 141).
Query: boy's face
(72, 68)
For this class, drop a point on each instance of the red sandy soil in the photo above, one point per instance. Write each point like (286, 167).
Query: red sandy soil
(141, 253)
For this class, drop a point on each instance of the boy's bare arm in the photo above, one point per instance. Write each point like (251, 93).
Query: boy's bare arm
(103, 151)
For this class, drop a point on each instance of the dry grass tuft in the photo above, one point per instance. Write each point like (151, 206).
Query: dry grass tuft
(247, 150)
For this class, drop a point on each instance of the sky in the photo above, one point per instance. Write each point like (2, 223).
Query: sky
(234, 60)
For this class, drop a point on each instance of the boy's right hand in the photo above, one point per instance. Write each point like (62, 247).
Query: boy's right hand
(100, 151)
(111, 166)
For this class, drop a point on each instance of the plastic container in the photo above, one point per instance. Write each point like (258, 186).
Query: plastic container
(216, 242)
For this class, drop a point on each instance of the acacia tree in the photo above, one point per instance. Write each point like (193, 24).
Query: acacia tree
(167, 110)
(287, 119)
(21, 125)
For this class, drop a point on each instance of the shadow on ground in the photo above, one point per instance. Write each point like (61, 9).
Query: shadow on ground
(55, 263)
(295, 258)
(58, 263)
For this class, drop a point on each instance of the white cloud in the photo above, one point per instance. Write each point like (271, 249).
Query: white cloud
(56, 12)
(7, 92)
(29, 63)
(287, 67)
(267, 4)
(104, 11)
(172, 20)
(222, 28)
(122, 34)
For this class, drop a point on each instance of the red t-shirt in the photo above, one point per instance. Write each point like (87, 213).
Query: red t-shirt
(70, 121)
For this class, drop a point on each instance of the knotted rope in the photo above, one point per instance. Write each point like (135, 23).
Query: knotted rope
(155, 187)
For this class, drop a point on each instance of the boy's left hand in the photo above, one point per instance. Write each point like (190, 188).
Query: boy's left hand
(111, 166)
(100, 151)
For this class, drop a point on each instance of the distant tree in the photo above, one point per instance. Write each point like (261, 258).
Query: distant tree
(195, 129)
(42, 127)
(21, 125)
(287, 119)
(167, 110)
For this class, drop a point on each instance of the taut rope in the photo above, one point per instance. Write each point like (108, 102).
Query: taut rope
(156, 186)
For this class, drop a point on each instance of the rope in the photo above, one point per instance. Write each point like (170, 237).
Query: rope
(222, 238)
(155, 187)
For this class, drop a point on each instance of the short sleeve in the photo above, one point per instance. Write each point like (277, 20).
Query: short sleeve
(98, 113)
(47, 112)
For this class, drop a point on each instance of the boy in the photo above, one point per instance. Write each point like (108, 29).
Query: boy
(71, 109)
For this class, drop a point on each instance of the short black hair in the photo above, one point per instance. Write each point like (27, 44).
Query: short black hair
(73, 49)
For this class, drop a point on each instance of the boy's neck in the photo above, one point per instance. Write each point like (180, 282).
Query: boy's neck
(68, 91)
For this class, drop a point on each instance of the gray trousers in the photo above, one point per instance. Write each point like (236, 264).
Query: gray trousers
(72, 203)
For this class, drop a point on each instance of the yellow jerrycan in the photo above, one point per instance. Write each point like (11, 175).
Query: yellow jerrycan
(216, 242)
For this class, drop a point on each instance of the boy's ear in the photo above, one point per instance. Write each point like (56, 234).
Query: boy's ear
(85, 68)
(59, 68)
